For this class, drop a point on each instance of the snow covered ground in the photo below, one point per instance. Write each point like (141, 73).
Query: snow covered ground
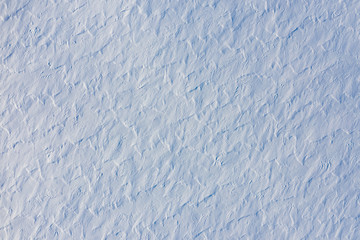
(162, 119)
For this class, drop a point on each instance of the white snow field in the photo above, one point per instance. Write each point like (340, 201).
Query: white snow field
(164, 119)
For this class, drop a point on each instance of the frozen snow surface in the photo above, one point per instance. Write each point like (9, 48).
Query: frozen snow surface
(179, 119)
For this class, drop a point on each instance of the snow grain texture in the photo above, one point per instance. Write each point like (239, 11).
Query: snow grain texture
(179, 119)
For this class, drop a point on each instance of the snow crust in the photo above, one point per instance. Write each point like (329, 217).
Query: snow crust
(179, 119)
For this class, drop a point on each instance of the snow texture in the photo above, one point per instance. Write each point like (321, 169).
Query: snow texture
(166, 119)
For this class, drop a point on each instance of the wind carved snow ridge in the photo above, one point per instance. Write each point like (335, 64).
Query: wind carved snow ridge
(179, 120)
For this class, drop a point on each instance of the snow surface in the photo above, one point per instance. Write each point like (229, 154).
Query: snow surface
(179, 119)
